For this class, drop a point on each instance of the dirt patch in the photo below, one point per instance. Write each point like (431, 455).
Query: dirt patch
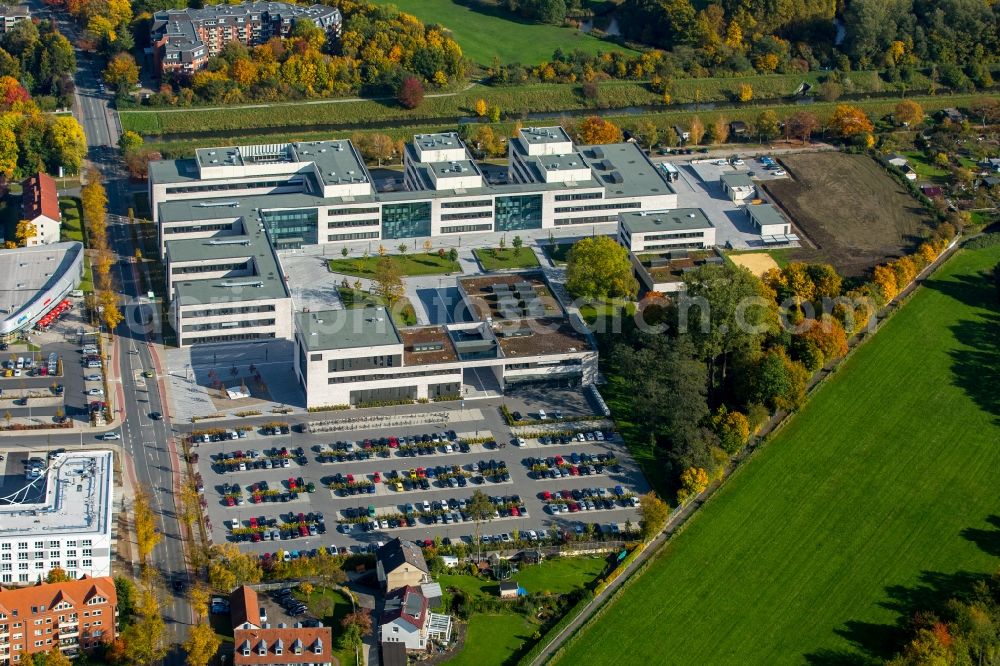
(757, 263)
(849, 208)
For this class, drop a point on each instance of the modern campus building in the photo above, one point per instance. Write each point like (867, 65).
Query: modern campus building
(184, 39)
(33, 280)
(60, 519)
(737, 186)
(665, 230)
(76, 615)
(516, 333)
(321, 192)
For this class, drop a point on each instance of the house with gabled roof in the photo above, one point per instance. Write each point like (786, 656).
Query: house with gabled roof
(257, 643)
(401, 563)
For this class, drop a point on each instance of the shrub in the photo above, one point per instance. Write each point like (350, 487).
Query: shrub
(411, 92)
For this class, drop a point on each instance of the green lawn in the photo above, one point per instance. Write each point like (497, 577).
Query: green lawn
(879, 495)
(493, 639)
(495, 259)
(925, 167)
(560, 575)
(403, 315)
(407, 264)
(484, 32)
(87, 283)
(557, 253)
(341, 609)
(72, 227)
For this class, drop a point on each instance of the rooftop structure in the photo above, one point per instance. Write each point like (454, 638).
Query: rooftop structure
(545, 140)
(345, 329)
(33, 280)
(679, 219)
(735, 180)
(68, 505)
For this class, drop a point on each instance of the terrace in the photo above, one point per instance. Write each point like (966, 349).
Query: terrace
(515, 296)
(538, 337)
(427, 345)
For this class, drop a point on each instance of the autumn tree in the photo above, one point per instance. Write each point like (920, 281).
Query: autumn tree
(144, 638)
(57, 575)
(733, 429)
(720, 130)
(201, 645)
(26, 230)
(67, 143)
(908, 112)
(228, 568)
(597, 130)
(387, 282)
(849, 121)
(411, 92)
(111, 316)
(356, 626)
(696, 131)
(56, 657)
(801, 125)
(745, 92)
(653, 514)
(598, 267)
(481, 107)
(198, 596)
(767, 125)
(693, 481)
(122, 72)
(144, 521)
(885, 279)
(381, 147)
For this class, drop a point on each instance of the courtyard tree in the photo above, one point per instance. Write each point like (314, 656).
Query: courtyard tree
(517, 243)
(598, 267)
(453, 254)
(388, 283)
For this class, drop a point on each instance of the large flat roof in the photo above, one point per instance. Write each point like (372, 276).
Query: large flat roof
(677, 219)
(173, 171)
(30, 274)
(765, 214)
(346, 329)
(77, 498)
(267, 283)
(625, 171)
(735, 180)
(541, 135)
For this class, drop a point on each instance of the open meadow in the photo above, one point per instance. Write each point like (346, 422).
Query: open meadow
(877, 499)
(847, 205)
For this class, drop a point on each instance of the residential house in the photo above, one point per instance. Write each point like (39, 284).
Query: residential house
(991, 164)
(407, 619)
(508, 589)
(76, 615)
(40, 203)
(931, 191)
(954, 115)
(256, 643)
(737, 186)
(401, 564)
(738, 129)
(896, 160)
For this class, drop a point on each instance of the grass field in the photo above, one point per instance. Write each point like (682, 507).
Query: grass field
(495, 259)
(877, 498)
(850, 208)
(484, 32)
(407, 264)
(493, 639)
(71, 228)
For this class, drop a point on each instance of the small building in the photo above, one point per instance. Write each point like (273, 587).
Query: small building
(931, 191)
(896, 160)
(737, 186)
(432, 592)
(508, 589)
(408, 620)
(768, 221)
(401, 564)
(656, 231)
(738, 128)
(953, 114)
(11, 15)
(991, 164)
(682, 136)
(449, 561)
(909, 173)
(40, 203)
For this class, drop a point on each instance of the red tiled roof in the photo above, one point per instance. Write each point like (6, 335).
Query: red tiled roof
(40, 197)
(287, 635)
(244, 607)
(49, 594)
(407, 603)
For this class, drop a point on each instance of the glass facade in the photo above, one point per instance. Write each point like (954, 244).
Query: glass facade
(292, 228)
(516, 213)
(406, 220)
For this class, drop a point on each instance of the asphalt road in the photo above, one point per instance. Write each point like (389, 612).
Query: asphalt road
(144, 440)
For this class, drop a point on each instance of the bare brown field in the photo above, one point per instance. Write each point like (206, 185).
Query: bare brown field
(852, 211)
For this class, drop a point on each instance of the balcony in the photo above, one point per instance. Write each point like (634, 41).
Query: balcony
(72, 632)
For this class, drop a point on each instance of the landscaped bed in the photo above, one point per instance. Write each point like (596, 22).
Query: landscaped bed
(495, 259)
(423, 263)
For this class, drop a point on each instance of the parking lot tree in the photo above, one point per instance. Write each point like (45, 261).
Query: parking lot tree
(653, 514)
(727, 309)
(146, 535)
(597, 267)
(388, 282)
(201, 645)
(229, 568)
(598, 130)
(480, 508)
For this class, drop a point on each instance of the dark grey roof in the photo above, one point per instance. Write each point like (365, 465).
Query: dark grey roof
(324, 330)
(397, 552)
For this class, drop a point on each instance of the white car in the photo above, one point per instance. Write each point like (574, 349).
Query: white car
(778, 172)
(426, 505)
(93, 378)
(110, 436)
(737, 162)
(720, 163)
(95, 391)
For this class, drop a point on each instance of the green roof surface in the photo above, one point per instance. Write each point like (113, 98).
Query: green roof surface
(325, 330)
(679, 219)
(737, 180)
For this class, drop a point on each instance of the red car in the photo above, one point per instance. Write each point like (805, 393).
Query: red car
(291, 483)
(566, 494)
(350, 478)
(428, 543)
(303, 530)
(253, 522)
(574, 471)
(230, 501)
(574, 507)
(421, 473)
(546, 495)
(393, 443)
(559, 460)
(377, 477)
(514, 512)
(302, 518)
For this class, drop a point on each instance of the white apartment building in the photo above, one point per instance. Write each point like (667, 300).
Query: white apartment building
(321, 192)
(61, 519)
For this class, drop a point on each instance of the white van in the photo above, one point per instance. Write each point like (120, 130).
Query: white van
(76, 293)
(20, 363)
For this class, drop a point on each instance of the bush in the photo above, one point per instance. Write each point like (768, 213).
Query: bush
(984, 241)
(411, 92)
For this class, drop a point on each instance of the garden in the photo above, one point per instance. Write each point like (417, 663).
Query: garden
(423, 263)
(500, 258)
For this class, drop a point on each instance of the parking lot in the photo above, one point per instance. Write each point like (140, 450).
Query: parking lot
(371, 485)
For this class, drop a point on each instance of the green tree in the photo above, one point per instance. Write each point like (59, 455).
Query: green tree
(130, 142)
(125, 591)
(356, 626)
(517, 243)
(494, 114)
(653, 515)
(768, 125)
(598, 267)
(452, 254)
(479, 508)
